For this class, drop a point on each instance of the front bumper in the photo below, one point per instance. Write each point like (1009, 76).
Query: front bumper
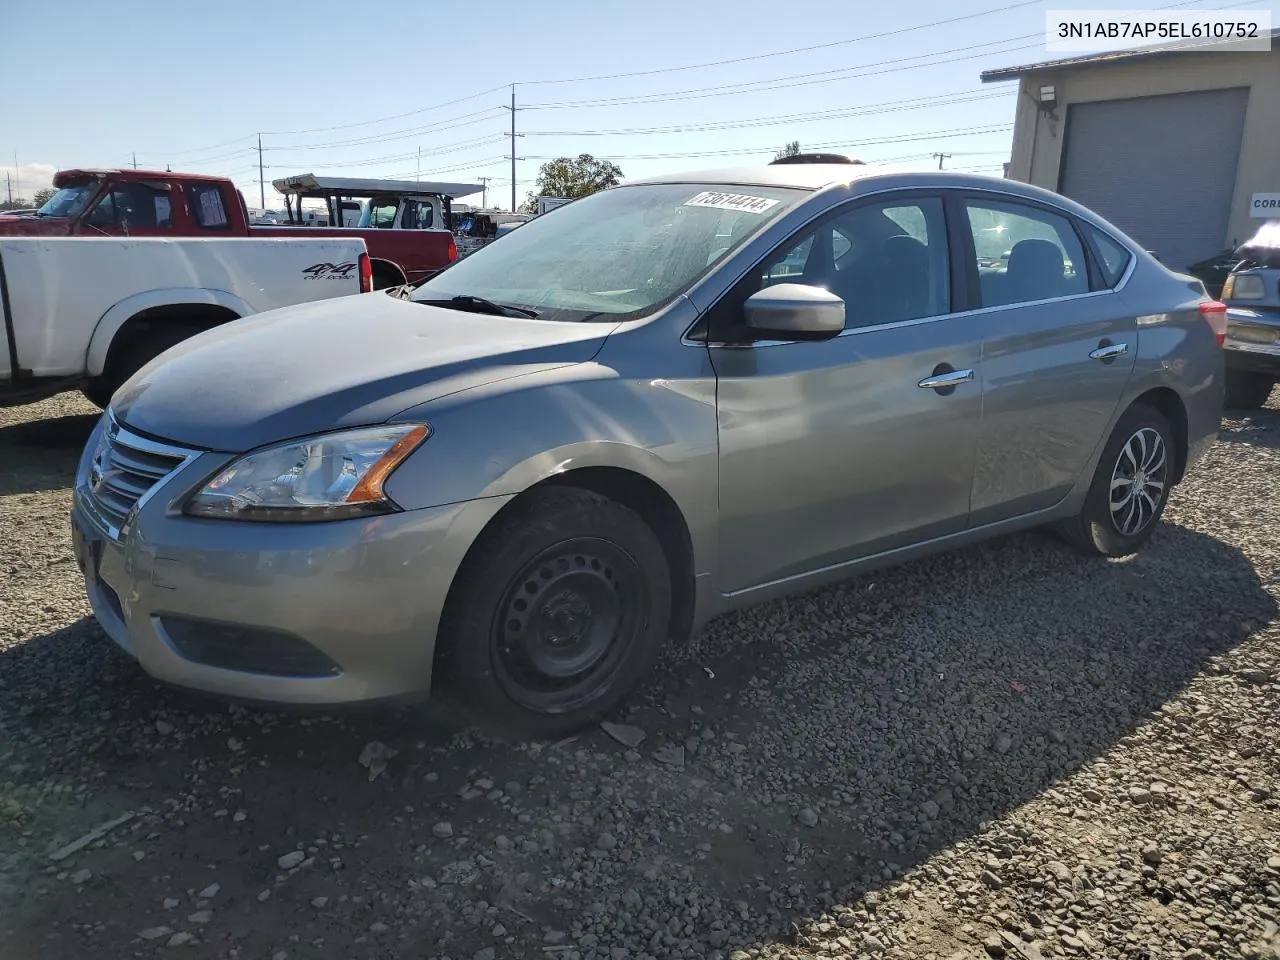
(1253, 341)
(314, 613)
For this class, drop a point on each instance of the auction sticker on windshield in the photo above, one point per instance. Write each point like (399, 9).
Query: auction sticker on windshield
(731, 201)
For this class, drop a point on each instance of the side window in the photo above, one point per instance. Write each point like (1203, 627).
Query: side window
(887, 261)
(383, 213)
(418, 215)
(207, 206)
(133, 206)
(1024, 253)
(1113, 259)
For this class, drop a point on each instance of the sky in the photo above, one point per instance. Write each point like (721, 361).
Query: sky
(348, 90)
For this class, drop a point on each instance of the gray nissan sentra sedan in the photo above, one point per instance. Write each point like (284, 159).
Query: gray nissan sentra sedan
(643, 409)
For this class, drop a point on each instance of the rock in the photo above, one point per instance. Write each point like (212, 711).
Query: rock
(994, 947)
(164, 727)
(378, 927)
(170, 902)
(807, 817)
(873, 945)
(154, 933)
(374, 758)
(554, 936)
(498, 931)
(1273, 863)
(671, 756)
(81, 876)
(460, 872)
(1059, 871)
(209, 892)
(631, 899)
(930, 809)
(1151, 855)
(280, 955)
(1139, 794)
(606, 841)
(264, 896)
(1003, 743)
(239, 816)
(630, 737)
(485, 953)
(718, 938)
(443, 830)
(319, 902)
(1093, 796)
(291, 859)
(180, 939)
(991, 879)
(200, 916)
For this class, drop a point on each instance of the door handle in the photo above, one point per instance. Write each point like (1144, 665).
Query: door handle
(943, 381)
(1109, 352)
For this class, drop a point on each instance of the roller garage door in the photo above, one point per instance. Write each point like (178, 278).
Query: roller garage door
(1162, 169)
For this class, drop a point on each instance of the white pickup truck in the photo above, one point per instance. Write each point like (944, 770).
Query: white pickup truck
(89, 312)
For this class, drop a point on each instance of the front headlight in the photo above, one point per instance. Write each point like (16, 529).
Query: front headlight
(1244, 286)
(330, 477)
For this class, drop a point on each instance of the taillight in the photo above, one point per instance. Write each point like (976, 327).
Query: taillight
(1215, 312)
(453, 249)
(366, 273)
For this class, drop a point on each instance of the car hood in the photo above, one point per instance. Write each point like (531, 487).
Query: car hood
(337, 363)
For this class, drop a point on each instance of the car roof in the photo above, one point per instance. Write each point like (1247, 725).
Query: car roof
(817, 176)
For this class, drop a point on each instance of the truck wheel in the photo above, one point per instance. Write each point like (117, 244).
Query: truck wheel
(1247, 390)
(556, 614)
(132, 357)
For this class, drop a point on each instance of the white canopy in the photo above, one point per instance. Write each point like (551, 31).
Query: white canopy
(309, 183)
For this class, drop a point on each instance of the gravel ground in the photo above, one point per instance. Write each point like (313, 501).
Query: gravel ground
(1009, 751)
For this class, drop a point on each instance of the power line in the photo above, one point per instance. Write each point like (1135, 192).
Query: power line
(396, 116)
(888, 106)
(784, 53)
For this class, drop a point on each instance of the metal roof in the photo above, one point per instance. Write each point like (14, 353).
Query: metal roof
(306, 183)
(1117, 56)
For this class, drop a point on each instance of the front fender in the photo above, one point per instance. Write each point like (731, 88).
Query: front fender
(503, 438)
(109, 323)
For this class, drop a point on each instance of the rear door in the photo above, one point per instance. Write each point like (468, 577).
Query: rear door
(1058, 347)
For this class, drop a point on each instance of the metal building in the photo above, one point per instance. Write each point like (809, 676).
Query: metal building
(1178, 147)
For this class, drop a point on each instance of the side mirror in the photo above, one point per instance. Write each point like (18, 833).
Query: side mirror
(794, 311)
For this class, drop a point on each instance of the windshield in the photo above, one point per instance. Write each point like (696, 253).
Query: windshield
(614, 255)
(69, 201)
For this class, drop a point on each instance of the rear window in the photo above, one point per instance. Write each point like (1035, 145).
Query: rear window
(207, 206)
(1113, 259)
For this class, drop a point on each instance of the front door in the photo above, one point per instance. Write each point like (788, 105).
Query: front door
(1058, 349)
(834, 450)
(132, 209)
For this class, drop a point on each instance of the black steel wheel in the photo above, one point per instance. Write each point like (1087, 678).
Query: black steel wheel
(559, 610)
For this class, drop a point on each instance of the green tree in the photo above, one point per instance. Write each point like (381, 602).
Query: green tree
(573, 178)
(42, 197)
(792, 149)
(17, 203)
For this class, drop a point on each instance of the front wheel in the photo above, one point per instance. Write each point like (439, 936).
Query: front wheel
(1130, 487)
(558, 612)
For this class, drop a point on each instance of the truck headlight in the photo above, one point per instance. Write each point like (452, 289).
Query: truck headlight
(1244, 286)
(330, 477)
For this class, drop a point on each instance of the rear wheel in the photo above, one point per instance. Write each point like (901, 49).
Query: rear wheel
(133, 356)
(557, 614)
(1247, 390)
(1130, 487)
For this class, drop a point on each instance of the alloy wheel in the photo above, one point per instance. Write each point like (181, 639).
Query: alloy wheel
(1139, 481)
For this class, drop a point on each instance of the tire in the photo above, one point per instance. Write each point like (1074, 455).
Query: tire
(1247, 390)
(557, 613)
(135, 355)
(1118, 526)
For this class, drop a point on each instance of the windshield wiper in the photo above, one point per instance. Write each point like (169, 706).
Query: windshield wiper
(481, 305)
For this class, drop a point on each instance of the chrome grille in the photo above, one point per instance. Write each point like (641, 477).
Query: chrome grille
(124, 470)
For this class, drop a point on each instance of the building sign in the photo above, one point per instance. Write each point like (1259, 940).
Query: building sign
(1265, 206)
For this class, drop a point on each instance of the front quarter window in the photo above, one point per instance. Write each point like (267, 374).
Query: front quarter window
(616, 255)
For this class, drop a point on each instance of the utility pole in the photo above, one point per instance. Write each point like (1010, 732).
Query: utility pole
(512, 108)
(941, 157)
(418, 176)
(135, 159)
(484, 197)
(8, 185)
(262, 180)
